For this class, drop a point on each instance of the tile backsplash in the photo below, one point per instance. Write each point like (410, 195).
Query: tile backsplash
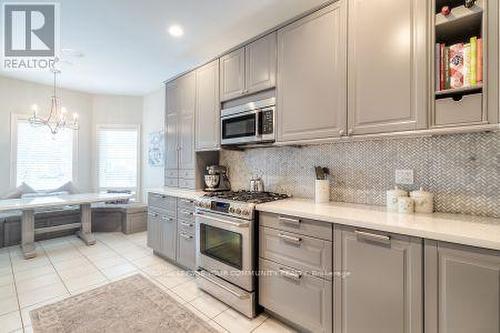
(462, 170)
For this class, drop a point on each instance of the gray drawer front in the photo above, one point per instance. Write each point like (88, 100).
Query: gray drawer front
(185, 214)
(187, 184)
(305, 301)
(187, 226)
(163, 202)
(186, 173)
(172, 182)
(186, 204)
(300, 252)
(297, 225)
(172, 173)
(186, 250)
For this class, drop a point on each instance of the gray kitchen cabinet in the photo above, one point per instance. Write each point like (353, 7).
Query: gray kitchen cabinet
(186, 121)
(260, 64)
(171, 125)
(167, 236)
(388, 76)
(378, 282)
(232, 75)
(462, 289)
(249, 69)
(300, 297)
(186, 250)
(207, 136)
(152, 233)
(312, 75)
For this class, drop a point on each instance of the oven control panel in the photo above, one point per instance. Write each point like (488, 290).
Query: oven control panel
(240, 210)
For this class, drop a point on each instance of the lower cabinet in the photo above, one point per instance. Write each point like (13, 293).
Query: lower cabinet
(162, 232)
(186, 250)
(462, 289)
(378, 282)
(300, 297)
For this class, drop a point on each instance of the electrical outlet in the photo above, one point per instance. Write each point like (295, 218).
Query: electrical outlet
(404, 177)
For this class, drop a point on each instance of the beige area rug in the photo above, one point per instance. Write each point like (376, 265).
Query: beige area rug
(133, 304)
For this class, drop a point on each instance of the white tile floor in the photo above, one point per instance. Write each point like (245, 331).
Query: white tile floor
(65, 267)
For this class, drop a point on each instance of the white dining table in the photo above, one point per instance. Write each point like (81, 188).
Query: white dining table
(29, 205)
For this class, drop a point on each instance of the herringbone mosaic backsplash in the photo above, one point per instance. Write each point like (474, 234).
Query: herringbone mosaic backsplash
(463, 170)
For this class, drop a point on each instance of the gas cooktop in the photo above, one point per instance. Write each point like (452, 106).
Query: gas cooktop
(247, 196)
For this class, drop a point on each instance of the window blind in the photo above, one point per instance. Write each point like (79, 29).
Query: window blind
(44, 161)
(117, 158)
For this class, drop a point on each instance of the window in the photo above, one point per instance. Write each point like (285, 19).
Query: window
(42, 160)
(117, 159)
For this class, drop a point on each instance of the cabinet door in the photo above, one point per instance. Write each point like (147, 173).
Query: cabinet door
(168, 237)
(260, 64)
(232, 75)
(171, 137)
(186, 250)
(462, 289)
(207, 136)
(186, 121)
(312, 75)
(387, 65)
(152, 234)
(378, 283)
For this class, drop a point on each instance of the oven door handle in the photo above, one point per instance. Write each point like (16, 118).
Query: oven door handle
(220, 285)
(240, 225)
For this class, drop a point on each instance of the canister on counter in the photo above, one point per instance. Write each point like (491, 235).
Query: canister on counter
(392, 198)
(424, 201)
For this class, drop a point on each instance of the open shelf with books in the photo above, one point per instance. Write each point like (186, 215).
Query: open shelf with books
(459, 71)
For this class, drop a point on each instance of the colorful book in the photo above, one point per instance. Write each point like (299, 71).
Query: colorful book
(437, 64)
(441, 67)
(473, 61)
(467, 64)
(446, 58)
(479, 64)
(456, 56)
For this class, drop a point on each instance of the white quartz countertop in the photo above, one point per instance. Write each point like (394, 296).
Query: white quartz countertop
(177, 192)
(462, 229)
(61, 200)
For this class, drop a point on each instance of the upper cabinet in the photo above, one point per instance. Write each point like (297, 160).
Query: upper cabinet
(207, 107)
(186, 121)
(312, 76)
(388, 81)
(249, 69)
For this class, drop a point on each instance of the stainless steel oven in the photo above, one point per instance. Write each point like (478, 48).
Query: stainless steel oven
(249, 123)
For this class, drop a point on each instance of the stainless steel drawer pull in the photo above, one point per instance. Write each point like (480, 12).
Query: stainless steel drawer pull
(289, 274)
(152, 214)
(296, 240)
(166, 218)
(159, 196)
(187, 224)
(187, 201)
(187, 213)
(220, 285)
(186, 236)
(288, 220)
(373, 237)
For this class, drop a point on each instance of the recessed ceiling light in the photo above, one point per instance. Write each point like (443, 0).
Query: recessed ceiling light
(175, 30)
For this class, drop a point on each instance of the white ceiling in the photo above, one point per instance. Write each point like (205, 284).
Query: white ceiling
(128, 51)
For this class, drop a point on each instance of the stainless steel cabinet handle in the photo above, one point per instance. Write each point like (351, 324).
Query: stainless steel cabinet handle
(186, 236)
(296, 240)
(341, 132)
(187, 201)
(153, 214)
(240, 225)
(187, 213)
(288, 220)
(289, 274)
(187, 224)
(350, 131)
(373, 237)
(240, 296)
(159, 196)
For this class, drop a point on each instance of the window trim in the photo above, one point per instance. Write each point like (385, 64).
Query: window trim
(136, 127)
(14, 119)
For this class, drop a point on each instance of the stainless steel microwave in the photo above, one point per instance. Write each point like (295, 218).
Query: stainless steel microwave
(249, 123)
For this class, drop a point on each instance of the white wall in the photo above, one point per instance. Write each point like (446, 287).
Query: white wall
(153, 114)
(17, 96)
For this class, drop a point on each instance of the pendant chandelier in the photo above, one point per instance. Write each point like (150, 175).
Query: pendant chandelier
(57, 119)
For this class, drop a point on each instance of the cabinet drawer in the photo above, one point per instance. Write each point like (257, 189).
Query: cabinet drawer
(467, 110)
(185, 214)
(186, 250)
(186, 183)
(186, 173)
(186, 204)
(300, 252)
(172, 173)
(300, 298)
(172, 182)
(169, 204)
(297, 225)
(186, 226)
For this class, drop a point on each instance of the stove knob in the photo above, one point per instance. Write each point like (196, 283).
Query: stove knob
(231, 209)
(246, 212)
(238, 211)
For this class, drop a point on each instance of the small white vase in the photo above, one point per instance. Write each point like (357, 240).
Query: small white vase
(321, 191)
